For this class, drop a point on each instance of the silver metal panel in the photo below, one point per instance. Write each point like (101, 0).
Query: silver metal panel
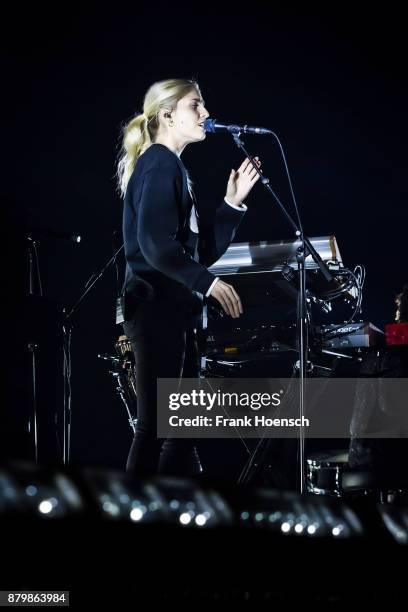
(271, 256)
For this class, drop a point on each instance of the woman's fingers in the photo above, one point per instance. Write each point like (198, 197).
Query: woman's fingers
(253, 172)
(249, 168)
(245, 164)
(223, 304)
(228, 298)
(231, 301)
(254, 178)
(238, 299)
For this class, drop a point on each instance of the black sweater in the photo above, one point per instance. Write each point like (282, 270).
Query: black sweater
(156, 230)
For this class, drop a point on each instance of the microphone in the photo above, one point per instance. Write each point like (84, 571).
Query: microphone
(212, 125)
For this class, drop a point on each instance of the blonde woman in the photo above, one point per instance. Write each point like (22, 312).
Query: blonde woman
(168, 249)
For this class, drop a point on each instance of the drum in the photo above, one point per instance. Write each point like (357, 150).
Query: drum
(328, 473)
(124, 376)
(124, 348)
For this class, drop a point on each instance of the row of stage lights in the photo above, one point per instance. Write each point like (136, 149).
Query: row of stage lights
(27, 490)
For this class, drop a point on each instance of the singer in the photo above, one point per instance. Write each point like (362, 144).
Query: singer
(168, 248)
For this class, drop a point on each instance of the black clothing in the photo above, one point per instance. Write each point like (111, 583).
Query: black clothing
(164, 345)
(156, 229)
(166, 273)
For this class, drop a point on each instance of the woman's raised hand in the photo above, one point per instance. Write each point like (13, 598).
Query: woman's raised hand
(240, 182)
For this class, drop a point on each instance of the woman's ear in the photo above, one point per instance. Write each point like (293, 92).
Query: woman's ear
(164, 115)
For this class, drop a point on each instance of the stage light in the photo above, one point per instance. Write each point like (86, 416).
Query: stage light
(9, 497)
(200, 520)
(395, 520)
(111, 508)
(136, 514)
(31, 490)
(45, 507)
(185, 518)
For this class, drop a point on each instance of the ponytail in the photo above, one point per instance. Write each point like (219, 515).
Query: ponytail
(136, 139)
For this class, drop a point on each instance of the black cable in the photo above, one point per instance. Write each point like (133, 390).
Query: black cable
(289, 181)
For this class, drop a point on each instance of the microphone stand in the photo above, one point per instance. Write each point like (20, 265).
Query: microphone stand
(33, 268)
(35, 290)
(67, 331)
(303, 251)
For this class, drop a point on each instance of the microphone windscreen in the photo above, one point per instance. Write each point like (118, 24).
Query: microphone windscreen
(209, 125)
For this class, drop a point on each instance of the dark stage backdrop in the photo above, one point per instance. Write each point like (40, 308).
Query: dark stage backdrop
(331, 83)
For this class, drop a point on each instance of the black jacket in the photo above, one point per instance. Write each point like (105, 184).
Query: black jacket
(156, 216)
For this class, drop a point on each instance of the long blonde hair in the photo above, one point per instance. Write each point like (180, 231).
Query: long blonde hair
(139, 133)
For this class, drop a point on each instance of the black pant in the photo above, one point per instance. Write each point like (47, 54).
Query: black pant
(164, 344)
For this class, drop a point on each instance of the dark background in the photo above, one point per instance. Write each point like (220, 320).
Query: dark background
(331, 83)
